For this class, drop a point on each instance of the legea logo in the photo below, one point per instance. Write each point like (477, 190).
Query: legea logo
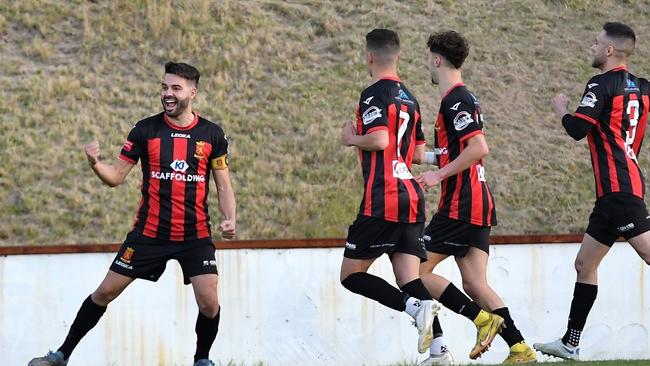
(179, 165)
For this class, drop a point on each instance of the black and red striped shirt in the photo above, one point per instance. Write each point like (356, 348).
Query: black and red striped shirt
(176, 165)
(466, 195)
(616, 104)
(390, 191)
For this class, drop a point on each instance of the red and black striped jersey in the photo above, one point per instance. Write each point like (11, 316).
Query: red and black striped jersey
(616, 104)
(466, 195)
(176, 164)
(390, 191)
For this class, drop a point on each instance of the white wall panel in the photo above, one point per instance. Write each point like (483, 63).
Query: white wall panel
(285, 307)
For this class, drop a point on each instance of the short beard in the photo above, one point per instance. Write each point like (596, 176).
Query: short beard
(596, 63)
(181, 106)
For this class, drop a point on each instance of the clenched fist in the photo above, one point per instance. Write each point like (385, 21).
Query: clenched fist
(92, 152)
(227, 228)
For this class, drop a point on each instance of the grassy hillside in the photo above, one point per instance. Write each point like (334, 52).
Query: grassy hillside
(281, 77)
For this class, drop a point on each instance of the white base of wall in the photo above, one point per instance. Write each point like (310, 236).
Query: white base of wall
(284, 307)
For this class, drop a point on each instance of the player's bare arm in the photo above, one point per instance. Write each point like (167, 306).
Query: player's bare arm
(111, 174)
(227, 204)
(374, 141)
(475, 150)
(418, 155)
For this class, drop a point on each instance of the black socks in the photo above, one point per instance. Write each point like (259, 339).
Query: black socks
(510, 333)
(584, 296)
(206, 332)
(87, 317)
(375, 288)
(453, 299)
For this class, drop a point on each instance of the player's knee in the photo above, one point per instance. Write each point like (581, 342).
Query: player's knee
(584, 267)
(209, 308)
(104, 295)
(426, 268)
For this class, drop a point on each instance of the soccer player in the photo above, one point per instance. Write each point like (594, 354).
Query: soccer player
(461, 227)
(388, 133)
(613, 115)
(178, 150)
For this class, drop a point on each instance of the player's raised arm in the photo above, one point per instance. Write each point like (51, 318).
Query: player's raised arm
(112, 175)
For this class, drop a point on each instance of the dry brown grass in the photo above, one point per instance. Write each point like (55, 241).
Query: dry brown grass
(281, 77)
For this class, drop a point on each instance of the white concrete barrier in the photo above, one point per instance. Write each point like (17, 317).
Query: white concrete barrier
(286, 307)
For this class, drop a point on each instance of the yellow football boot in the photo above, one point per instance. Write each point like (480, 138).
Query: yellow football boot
(520, 353)
(488, 325)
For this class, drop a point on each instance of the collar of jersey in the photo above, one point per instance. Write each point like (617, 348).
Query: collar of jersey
(393, 78)
(452, 88)
(176, 127)
(622, 67)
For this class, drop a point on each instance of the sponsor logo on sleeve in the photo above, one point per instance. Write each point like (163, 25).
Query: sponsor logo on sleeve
(589, 86)
(367, 101)
(370, 115)
(589, 100)
(455, 106)
(462, 120)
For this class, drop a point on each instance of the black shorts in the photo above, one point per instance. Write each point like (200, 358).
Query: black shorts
(618, 214)
(146, 258)
(454, 237)
(370, 237)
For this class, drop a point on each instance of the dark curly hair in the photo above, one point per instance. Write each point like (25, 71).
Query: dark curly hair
(451, 46)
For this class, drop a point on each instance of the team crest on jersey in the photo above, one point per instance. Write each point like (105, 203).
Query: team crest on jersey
(589, 100)
(462, 120)
(199, 151)
(127, 255)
